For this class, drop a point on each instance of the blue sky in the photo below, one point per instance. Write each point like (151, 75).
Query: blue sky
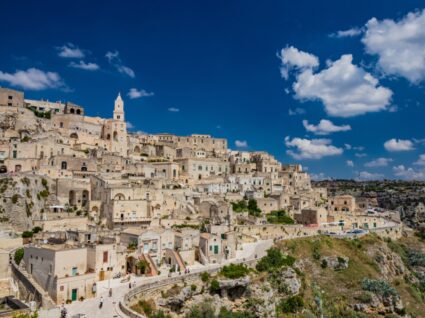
(262, 75)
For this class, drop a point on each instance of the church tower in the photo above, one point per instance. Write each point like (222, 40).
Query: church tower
(119, 108)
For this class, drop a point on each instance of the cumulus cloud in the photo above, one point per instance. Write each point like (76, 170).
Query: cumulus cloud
(380, 162)
(115, 60)
(33, 79)
(399, 45)
(241, 143)
(347, 33)
(70, 51)
(408, 173)
(292, 58)
(365, 175)
(136, 93)
(311, 149)
(173, 109)
(421, 160)
(350, 163)
(325, 127)
(129, 125)
(345, 89)
(394, 145)
(84, 66)
(296, 111)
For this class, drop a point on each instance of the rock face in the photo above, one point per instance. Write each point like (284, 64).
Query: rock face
(262, 300)
(381, 305)
(22, 199)
(335, 262)
(290, 279)
(390, 264)
(233, 288)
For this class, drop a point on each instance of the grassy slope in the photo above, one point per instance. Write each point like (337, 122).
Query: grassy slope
(338, 288)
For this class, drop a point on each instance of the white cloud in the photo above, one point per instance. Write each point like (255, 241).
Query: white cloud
(380, 162)
(348, 146)
(347, 33)
(365, 175)
(319, 176)
(345, 89)
(70, 51)
(296, 111)
(325, 127)
(115, 60)
(400, 45)
(173, 109)
(32, 79)
(84, 66)
(398, 145)
(360, 155)
(241, 143)
(129, 125)
(311, 149)
(135, 93)
(292, 58)
(421, 160)
(350, 163)
(408, 173)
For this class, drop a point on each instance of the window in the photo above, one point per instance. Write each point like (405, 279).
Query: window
(64, 165)
(10, 97)
(74, 271)
(15, 154)
(105, 256)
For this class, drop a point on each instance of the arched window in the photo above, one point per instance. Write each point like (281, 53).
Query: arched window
(78, 112)
(64, 165)
(72, 111)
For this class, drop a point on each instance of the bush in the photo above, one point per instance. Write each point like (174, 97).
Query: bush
(142, 266)
(205, 277)
(44, 194)
(214, 286)
(291, 305)
(37, 229)
(19, 255)
(239, 206)
(44, 183)
(274, 260)
(160, 314)
(279, 217)
(253, 208)
(324, 263)
(15, 198)
(193, 287)
(146, 307)
(233, 271)
(27, 234)
(379, 287)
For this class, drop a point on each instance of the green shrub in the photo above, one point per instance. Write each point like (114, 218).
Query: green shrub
(19, 255)
(27, 234)
(324, 263)
(274, 260)
(214, 286)
(279, 217)
(44, 194)
(291, 305)
(193, 287)
(37, 229)
(233, 271)
(146, 307)
(15, 198)
(379, 287)
(205, 277)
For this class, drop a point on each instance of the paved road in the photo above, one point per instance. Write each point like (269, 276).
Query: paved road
(89, 308)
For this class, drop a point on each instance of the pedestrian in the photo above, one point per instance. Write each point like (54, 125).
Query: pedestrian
(110, 292)
(63, 311)
(101, 302)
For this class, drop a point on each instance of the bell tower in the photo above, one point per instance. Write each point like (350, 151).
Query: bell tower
(119, 108)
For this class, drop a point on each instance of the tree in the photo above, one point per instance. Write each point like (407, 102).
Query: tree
(274, 260)
(253, 208)
(142, 266)
(19, 255)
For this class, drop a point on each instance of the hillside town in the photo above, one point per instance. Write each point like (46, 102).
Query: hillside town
(90, 210)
